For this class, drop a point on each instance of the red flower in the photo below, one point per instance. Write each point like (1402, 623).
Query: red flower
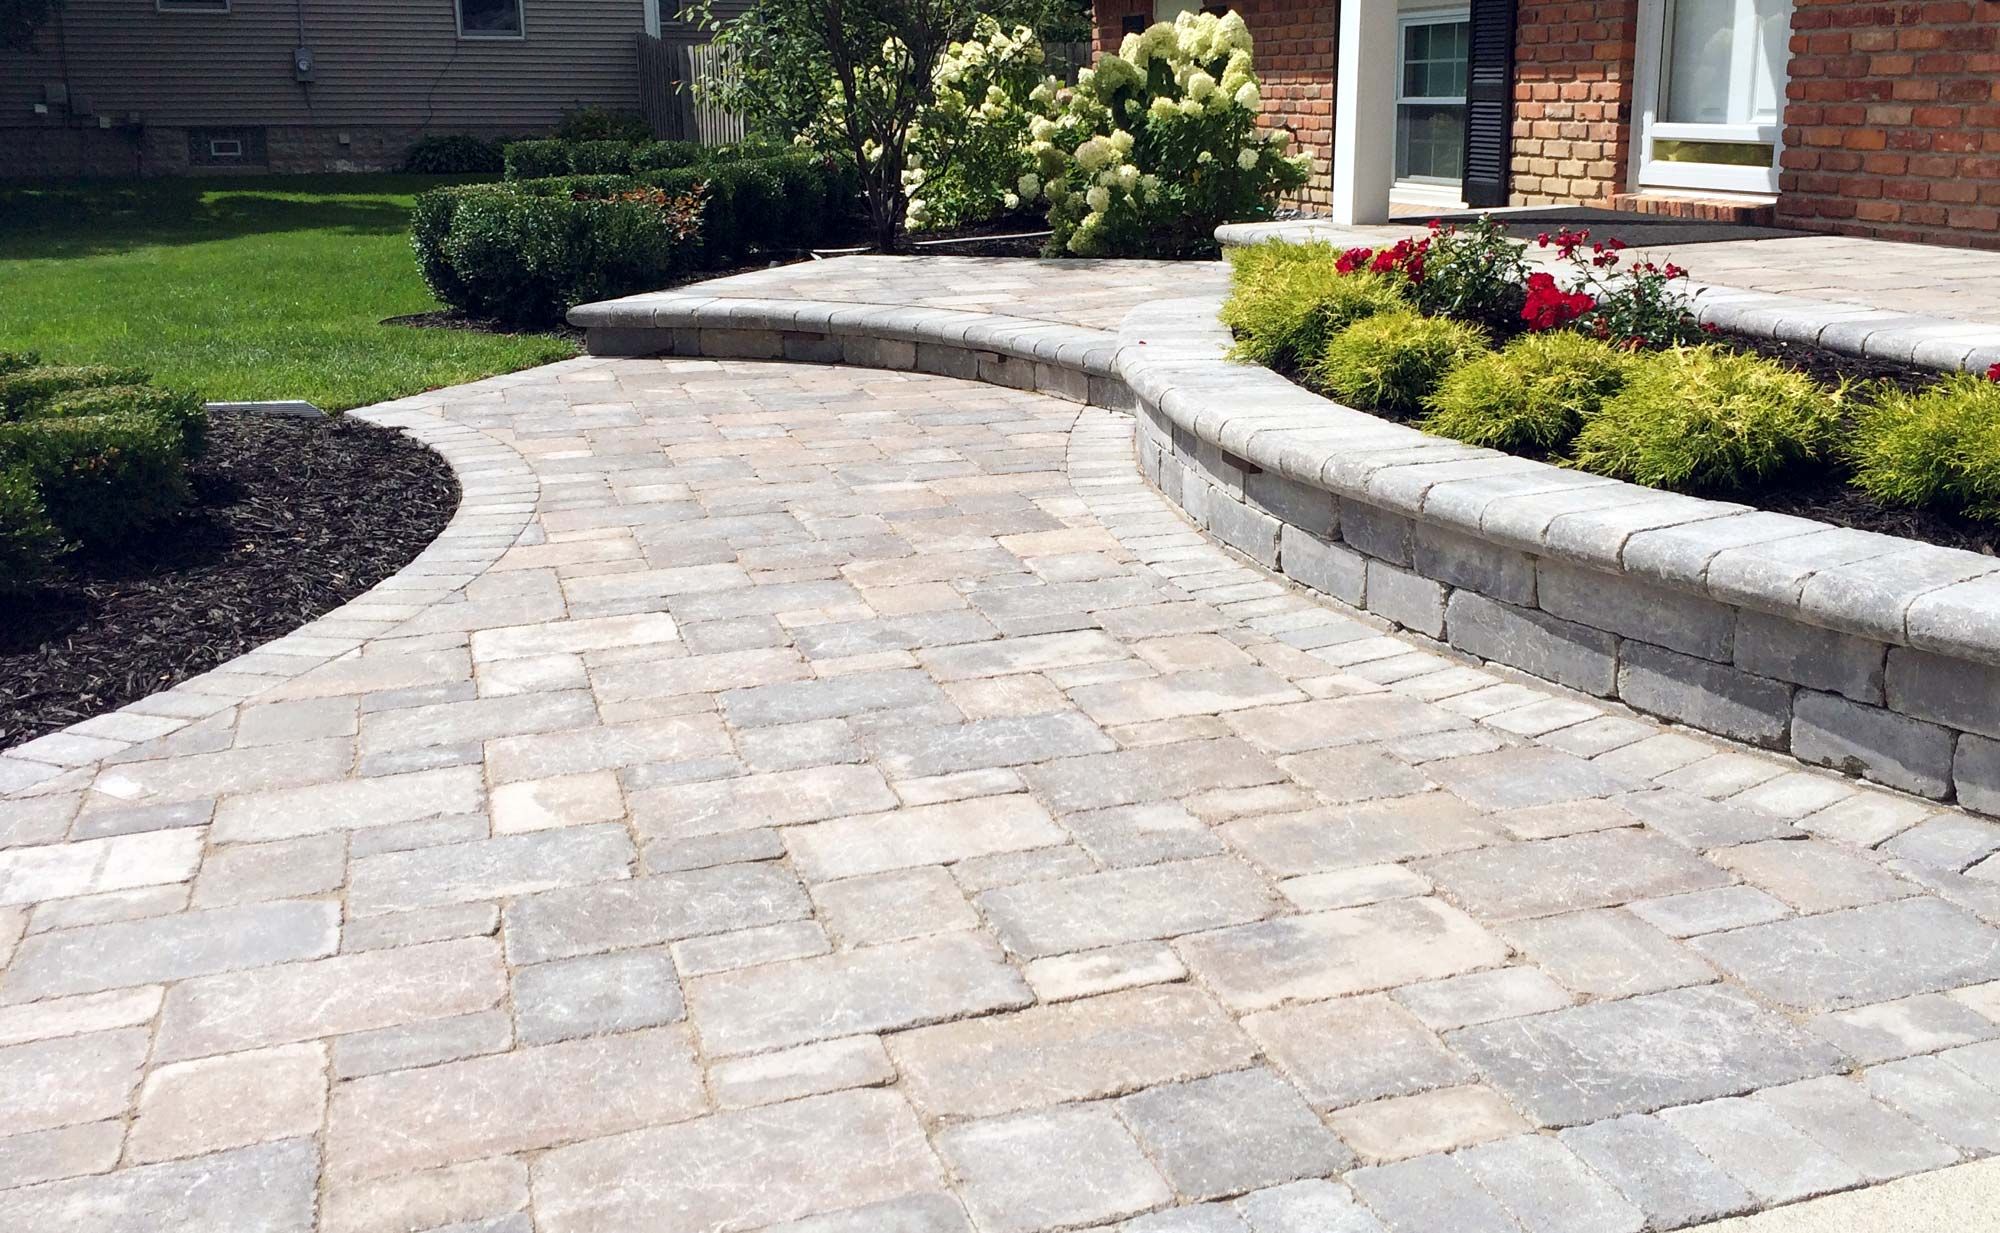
(1353, 259)
(1993, 373)
(1549, 307)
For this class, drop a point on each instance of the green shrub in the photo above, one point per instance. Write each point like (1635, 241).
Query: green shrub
(527, 259)
(603, 124)
(1701, 419)
(1534, 395)
(27, 538)
(12, 360)
(601, 158)
(24, 389)
(430, 223)
(1391, 362)
(535, 160)
(456, 154)
(102, 479)
(182, 412)
(1286, 301)
(526, 250)
(661, 155)
(1939, 446)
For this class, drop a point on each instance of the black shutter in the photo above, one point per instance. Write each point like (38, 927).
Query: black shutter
(1489, 103)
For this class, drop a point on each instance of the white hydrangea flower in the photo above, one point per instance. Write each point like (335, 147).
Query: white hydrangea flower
(1248, 98)
(1121, 141)
(1041, 128)
(1126, 177)
(1149, 187)
(1098, 198)
(1030, 185)
(1279, 138)
(1163, 108)
(1190, 107)
(1231, 32)
(1010, 201)
(1205, 157)
(1094, 153)
(1246, 158)
(1200, 85)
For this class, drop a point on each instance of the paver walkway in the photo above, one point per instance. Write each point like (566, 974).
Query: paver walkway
(858, 803)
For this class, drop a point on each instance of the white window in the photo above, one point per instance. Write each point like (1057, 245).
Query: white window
(1711, 80)
(1430, 97)
(191, 6)
(490, 19)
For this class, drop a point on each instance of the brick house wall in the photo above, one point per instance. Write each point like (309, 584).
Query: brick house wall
(1572, 100)
(1295, 61)
(1892, 121)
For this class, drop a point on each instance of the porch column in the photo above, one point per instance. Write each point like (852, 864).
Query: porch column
(1364, 111)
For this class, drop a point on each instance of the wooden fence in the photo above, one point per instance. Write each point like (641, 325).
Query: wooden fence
(670, 65)
(668, 69)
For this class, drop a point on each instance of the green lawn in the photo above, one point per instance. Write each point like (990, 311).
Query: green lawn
(273, 287)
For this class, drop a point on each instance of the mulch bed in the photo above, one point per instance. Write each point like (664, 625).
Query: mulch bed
(1827, 496)
(291, 518)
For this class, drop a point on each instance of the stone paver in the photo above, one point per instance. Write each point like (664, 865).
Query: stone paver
(815, 800)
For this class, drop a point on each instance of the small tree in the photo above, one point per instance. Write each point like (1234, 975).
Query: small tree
(876, 62)
(20, 19)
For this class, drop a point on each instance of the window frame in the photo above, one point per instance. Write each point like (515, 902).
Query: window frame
(482, 36)
(1404, 23)
(195, 8)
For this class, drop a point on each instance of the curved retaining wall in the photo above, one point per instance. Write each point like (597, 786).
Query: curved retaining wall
(1869, 653)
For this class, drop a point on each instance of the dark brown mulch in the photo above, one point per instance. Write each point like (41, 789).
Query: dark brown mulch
(291, 518)
(1829, 367)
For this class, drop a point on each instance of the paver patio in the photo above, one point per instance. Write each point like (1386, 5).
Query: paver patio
(858, 803)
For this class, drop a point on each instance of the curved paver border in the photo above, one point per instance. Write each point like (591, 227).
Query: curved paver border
(1943, 343)
(498, 492)
(1876, 655)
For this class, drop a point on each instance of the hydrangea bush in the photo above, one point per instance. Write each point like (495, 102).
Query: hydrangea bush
(969, 159)
(1156, 146)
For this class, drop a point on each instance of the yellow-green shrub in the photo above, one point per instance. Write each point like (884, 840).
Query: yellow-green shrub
(1938, 446)
(1702, 419)
(1287, 300)
(1391, 362)
(1533, 395)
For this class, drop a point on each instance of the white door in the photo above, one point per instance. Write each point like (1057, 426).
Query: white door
(1711, 90)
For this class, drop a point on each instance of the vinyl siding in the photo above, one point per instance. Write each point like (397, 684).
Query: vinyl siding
(377, 62)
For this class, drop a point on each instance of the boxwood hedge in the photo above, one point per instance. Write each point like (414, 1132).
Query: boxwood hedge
(526, 250)
(88, 456)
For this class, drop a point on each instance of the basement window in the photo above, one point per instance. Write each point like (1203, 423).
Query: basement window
(490, 19)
